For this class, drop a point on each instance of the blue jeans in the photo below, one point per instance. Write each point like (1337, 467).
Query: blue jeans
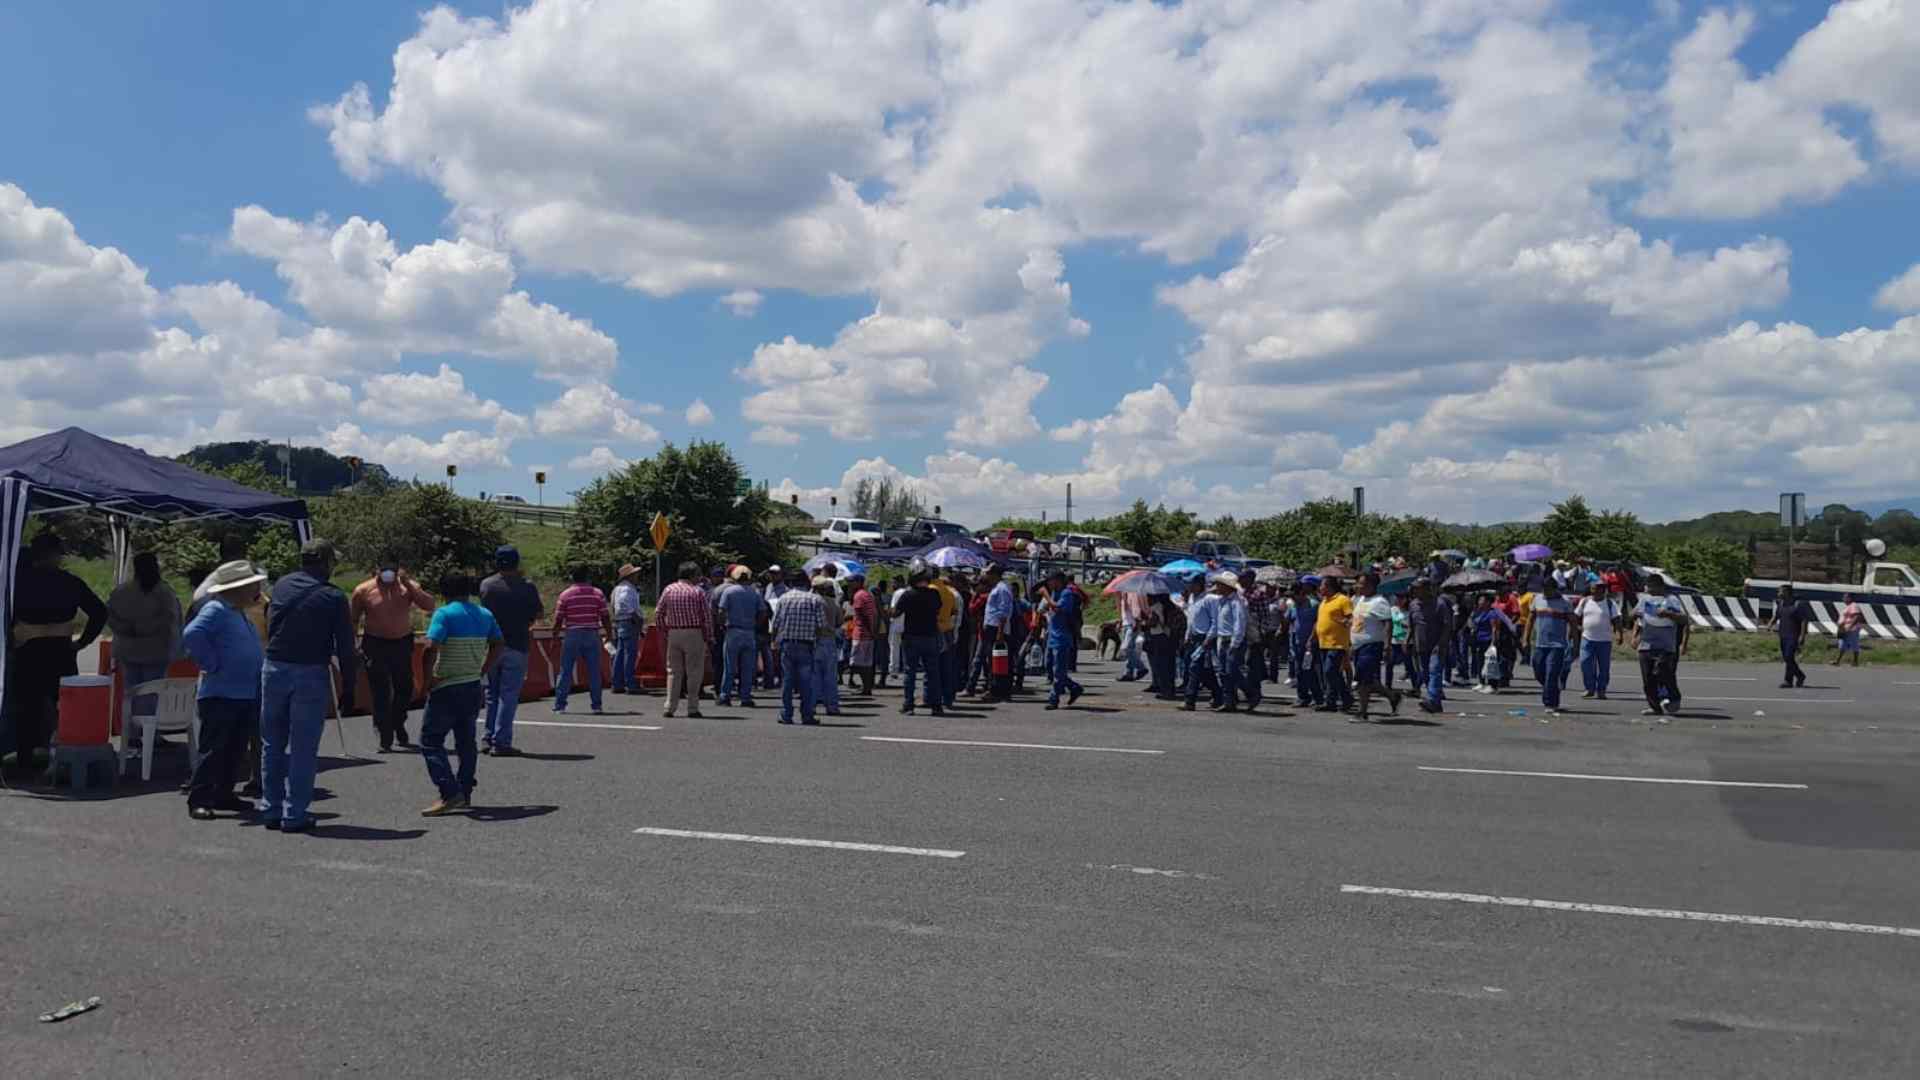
(1201, 671)
(1333, 675)
(132, 674)
(577, 645)
(737, 656)
(796, 677)
(293, 714)
(1436, 664)
(769, 673)
(923, 654)
(504, 681)
(1059, 664)
(626, 654)
(1548, 661)
(450, 709)
(1136, 665)
(1230, 661)
(1596, 665)
(949, 670)
(826, 674)
(1306, 676)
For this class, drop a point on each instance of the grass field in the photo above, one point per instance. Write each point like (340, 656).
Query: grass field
(1765, 648)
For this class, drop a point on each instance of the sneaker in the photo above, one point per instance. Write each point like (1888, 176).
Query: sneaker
(724, 703)
(401, 738)
(506, 751)
(1786, 685)
(558, 708)
(1649, 711)
(749, 703)
(441, 807)
(305, 824)
(200, 813)
(1393, 703)
(1073, 695)
(939, 712)
(1185, 706)
(1553, 712)
(906, 710)
(1052, 705)
(668, 714)
(1589, 695)
(693, 714)
(1673, 708)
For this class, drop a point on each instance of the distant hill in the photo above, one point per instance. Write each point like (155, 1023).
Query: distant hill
(1877, 508)
(315, 471)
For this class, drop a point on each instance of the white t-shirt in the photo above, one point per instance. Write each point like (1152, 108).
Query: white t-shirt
(1372, 620)
(1596, 618)
(898, 626)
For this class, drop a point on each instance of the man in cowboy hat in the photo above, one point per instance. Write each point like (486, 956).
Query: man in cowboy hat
(737, 606)
(222, 641)
(1230, 632)
(628, 625)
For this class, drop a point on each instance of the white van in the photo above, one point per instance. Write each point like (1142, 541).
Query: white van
(854, 531)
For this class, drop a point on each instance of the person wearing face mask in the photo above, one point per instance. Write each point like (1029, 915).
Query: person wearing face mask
(382, 613)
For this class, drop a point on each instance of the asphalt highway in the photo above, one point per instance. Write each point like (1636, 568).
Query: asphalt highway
(1124, 891)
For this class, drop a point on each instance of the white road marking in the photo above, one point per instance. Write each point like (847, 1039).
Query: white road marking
(569, 723)
(1623, 779)
(1638, 912)
(1008, 745)
(795, 841)
(1149, 871)
(1787, 700)
(1693, 678)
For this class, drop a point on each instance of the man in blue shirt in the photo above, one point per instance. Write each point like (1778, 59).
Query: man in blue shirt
(1063, 628)
(993, 628)
(463, 644)
(738, 606)
(1230, 631)
(1202, 614)
(1660, 624)
(222, 641)
(1552, 619)
(1305, 664)
(307, 631)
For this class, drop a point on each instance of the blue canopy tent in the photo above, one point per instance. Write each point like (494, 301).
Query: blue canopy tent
(72, 469)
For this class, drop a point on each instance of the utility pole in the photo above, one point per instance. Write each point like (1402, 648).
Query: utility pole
(1069, 502)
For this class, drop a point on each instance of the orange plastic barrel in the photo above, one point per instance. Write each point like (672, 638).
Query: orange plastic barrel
(86, 710)
(652, 661)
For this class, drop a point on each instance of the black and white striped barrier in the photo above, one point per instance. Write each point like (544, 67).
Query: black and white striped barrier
(1894, 622)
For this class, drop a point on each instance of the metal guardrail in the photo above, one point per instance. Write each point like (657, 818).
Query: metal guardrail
(523, 514)
(1096, 571)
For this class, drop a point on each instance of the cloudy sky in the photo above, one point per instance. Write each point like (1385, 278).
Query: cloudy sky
(1473, 254)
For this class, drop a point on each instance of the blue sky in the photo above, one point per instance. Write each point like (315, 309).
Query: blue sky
(1475, 255)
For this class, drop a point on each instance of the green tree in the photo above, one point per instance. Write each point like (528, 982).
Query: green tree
(426, 528)
(694, 488)
(886, 502)
(1135, 528)
(1569, 528)
(1715, 567)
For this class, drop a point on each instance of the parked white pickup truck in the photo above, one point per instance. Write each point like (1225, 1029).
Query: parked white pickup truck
(1882, 583)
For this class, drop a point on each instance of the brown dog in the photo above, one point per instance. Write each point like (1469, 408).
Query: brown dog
(1110, 632)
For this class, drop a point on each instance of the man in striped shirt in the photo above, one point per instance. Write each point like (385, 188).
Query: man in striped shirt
(581, 617)
(463, 643)
(798, 617)
(685, 616)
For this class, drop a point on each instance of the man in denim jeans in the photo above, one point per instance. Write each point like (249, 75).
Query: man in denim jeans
(738, 606)
(307, 627)
(628, 624)
(463, 642)
(514, 604)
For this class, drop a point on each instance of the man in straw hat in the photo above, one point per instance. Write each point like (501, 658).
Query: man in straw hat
(738, 606)
(307, 631)
(222, 641)
(628, 625)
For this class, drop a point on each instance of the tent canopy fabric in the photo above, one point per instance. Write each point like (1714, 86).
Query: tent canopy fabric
(78, 468)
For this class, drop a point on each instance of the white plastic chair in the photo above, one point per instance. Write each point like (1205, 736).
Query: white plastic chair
(175, 712)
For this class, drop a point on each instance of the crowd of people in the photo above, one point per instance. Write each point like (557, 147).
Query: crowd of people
(272, 662)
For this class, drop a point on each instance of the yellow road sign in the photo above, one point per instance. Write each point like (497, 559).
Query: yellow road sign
(660, 531)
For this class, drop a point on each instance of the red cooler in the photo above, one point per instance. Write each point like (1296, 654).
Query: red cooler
(86, 710)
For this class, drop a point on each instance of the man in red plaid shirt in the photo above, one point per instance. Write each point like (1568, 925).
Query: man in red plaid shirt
(685, 616)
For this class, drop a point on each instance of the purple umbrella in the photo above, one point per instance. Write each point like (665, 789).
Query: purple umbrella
(1532, 553)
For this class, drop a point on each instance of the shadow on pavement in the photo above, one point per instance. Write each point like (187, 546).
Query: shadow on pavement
(837, 723)
(509, 813)
(531, 756)
(1860, 807)
(324, 831)
(328, 764)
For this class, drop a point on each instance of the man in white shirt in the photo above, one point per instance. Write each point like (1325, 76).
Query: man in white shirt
(628, 625)
(1372, 632)
(1230, 632)
(1600, 630)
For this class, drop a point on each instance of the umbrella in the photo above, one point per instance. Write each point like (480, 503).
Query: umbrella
(1532, 553)
(1472, 579)
(1449, 553)
(847, 567)
(1334, 570)
(1141, 583)
(1273, 575)
(1183, 568)
(947, 558)
(1397, 583)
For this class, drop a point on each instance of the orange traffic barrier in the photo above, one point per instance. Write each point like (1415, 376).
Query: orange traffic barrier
(652, 666)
